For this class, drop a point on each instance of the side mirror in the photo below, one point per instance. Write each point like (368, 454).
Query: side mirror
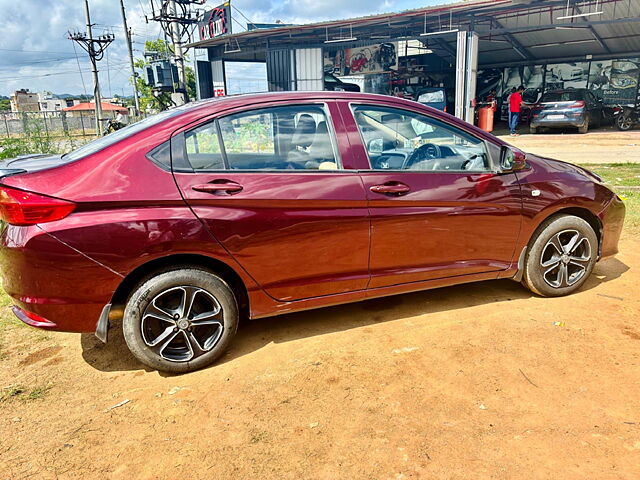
(512, 159)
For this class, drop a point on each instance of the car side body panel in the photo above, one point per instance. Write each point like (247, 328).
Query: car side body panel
(130, 212)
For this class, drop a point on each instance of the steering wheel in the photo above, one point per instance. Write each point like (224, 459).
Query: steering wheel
(427, 151)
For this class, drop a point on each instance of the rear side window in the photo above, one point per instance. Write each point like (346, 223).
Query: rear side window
(278, 138)
(161, 155)
(566, 96)
(203, 148)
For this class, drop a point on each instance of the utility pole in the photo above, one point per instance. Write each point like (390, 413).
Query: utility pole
(127, 33)
(95, 48)
(177, 52)
(177, 20)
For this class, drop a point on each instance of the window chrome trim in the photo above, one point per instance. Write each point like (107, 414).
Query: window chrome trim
(248, 111)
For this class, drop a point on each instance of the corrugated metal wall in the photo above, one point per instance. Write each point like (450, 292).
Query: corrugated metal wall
(308, 67)
(279, 70)
(217, 74)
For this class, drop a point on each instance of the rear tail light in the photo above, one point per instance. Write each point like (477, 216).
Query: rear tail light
(445, 109)
(21, 208)
(32, 319)
(578, 104)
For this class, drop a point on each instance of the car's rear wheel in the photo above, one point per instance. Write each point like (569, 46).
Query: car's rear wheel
(561, 256)
(584, 128)
(533, 130)
(624, 122)
(180, 320)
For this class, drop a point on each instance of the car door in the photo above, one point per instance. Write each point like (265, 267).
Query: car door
(439, 207)
(272, 187)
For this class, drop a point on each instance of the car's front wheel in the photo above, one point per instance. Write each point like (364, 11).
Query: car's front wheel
(180, 320)
(561, 256)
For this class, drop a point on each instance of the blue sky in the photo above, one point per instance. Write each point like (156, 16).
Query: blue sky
(36, 54)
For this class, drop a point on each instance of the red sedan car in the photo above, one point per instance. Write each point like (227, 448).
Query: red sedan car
(264, 204)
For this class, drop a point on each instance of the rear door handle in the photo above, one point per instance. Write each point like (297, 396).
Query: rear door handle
(228, 187)
(391, 188)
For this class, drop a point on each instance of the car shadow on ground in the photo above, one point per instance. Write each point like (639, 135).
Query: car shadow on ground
(255, 334)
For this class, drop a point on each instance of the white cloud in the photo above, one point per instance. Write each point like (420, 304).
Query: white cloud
(36, 54)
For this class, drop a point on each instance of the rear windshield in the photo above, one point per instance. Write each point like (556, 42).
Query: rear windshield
(562, 96)
(108, 140)
(431, 97)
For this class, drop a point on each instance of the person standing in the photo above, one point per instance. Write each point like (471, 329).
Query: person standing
(515, 104)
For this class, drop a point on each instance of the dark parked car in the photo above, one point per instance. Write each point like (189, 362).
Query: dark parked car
(334, 84)
(257, 205)
(567, 108)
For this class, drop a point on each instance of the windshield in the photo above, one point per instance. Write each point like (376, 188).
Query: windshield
(103, 142)
(432, 97)
(562, 96)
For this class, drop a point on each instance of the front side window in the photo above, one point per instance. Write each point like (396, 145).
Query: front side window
(401, 140)
(279, 138)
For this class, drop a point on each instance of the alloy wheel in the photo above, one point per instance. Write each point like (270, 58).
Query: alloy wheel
(565, 258)
(624, 122)
(182, 323)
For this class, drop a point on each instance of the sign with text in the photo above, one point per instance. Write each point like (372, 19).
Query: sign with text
(216, 22)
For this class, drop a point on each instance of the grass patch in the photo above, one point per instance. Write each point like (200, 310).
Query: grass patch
(624, 178)
(20, 392)
(618, 174)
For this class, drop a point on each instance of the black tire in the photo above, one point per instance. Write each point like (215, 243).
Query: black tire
(198, 337)
(533, 130)
(584, 128)
(539, 275)
(624, 123)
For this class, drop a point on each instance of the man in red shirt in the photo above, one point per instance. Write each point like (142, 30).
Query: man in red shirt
(515, 102)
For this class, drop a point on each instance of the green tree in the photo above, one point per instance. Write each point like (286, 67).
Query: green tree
(148, 100)
(5, 105)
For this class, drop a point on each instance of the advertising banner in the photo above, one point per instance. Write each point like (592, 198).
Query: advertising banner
(371, 59)
(566, 75)
(215, 22)
(616, 81)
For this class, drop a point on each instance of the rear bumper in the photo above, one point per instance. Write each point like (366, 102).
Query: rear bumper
(54, 286)
(612, 219)
(565, 122)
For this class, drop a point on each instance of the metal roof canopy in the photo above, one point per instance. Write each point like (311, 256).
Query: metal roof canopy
(511, 31)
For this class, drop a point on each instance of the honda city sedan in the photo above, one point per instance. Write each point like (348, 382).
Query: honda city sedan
(257, 205)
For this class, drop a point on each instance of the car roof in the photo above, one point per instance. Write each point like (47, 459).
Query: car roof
(247, 98)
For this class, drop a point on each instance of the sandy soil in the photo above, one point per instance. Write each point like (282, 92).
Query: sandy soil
(474, 381)
(598, 146)
(469, 382)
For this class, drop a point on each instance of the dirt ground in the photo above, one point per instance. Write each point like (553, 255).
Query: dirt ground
(479, 381)
(604, 145)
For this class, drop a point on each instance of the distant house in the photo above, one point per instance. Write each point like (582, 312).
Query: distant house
(49, 102)
(87, 109)
(24, 101)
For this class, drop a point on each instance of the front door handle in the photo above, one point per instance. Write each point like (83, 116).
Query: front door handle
(228, 187)
(391, 188)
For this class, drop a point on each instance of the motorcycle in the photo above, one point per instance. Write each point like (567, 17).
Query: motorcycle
(626, 117)
(112, 125)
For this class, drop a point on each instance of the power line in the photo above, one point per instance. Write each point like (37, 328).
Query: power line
(65, 72)
(30, 51)
(84, 87)
(36, 62)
